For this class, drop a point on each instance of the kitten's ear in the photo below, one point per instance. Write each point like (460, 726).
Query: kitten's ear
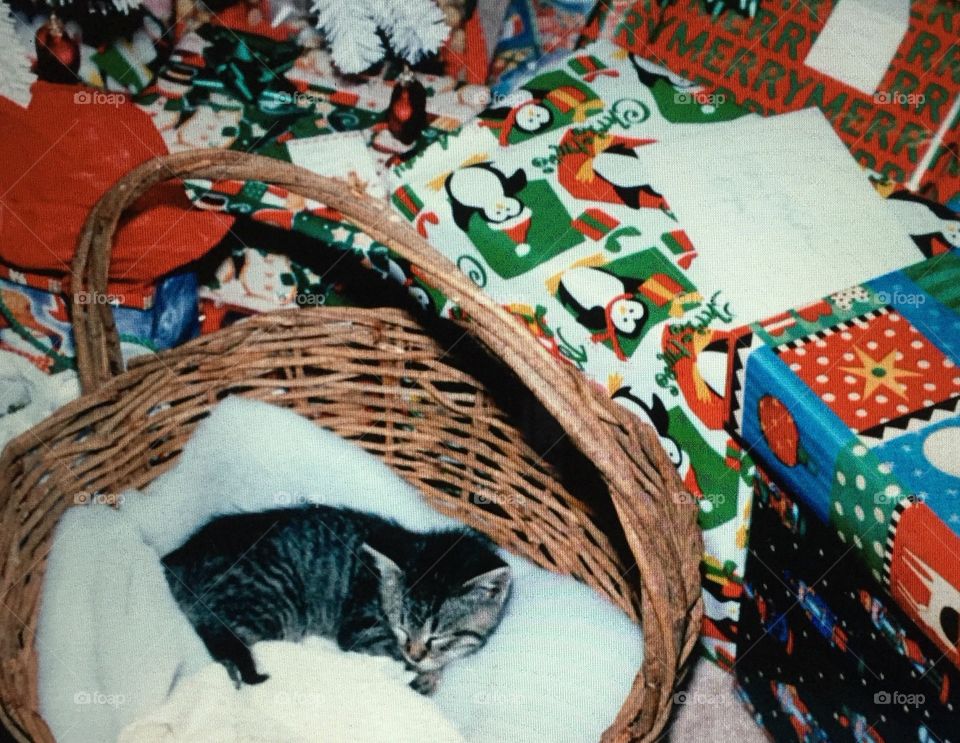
(490, 586)
(387, 567)
(391, 582)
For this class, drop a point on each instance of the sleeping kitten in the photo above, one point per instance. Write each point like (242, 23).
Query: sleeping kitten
(374, 587)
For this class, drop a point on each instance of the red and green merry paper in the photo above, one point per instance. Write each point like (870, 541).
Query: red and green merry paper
(887, 77)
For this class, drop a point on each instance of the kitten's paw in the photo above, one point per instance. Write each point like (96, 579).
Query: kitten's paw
(253, 679)
(243, 676)
(426, 682)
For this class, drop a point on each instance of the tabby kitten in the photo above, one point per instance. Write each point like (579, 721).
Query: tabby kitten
(361, 580)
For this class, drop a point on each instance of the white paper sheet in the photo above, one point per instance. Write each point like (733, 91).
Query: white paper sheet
(859, 41)
(779, 212)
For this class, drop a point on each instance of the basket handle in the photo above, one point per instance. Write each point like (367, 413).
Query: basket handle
(660, 531)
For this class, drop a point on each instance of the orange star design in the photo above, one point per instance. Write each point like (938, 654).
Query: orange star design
(883, 373)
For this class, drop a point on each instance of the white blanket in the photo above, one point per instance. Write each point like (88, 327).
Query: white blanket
(28, 395)
(315, 694)
(112, 643)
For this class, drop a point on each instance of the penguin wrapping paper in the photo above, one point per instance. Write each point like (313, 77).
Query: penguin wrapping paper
(823, 653)
(557, 201)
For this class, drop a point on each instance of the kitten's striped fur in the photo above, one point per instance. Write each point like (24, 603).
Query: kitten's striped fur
(374, 587)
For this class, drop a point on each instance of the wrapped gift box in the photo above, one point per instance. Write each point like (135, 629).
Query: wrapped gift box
(533, 32)
(823, 653)
(852, 404)
(35, 322)
(886, 78)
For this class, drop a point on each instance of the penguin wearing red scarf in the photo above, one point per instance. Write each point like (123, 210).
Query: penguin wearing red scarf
(607, 167)
(547, 102)
(607, 304)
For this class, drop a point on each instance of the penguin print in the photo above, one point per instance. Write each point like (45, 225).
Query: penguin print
(529, 115)
(604, 167)
(681, 101)
(656, 415)
(549, 101)
(488, 193)
(605, 303)
(933, 227)
(389, 269)
(650, 74)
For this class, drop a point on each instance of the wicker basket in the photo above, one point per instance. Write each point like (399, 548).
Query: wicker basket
(378, 377)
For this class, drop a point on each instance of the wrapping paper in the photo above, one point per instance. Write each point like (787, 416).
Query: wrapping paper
(534, 31)
(905, 129)
(214, 92)
(35, 323)
(554, 202)
(851, 402)
(627, 23)
(823, 653)
(223, 88)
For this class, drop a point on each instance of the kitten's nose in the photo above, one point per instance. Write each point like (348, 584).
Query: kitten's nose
(415, 650)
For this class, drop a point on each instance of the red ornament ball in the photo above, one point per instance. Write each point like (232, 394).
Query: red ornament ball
(58, 53)
(407, 113)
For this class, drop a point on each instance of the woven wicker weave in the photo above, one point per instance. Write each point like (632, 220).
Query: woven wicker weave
(378, 377)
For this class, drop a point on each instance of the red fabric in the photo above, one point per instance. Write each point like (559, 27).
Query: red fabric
(59, 156)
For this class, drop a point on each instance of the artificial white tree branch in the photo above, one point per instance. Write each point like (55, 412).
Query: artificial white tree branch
(413, 29)
(15, 75)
